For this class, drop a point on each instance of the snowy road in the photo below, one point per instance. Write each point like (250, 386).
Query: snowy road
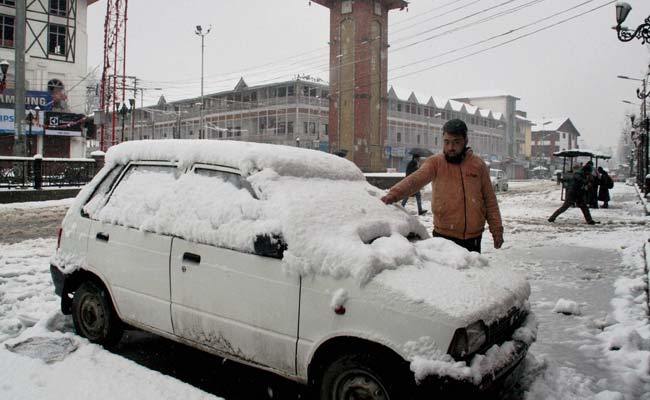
(601, 349)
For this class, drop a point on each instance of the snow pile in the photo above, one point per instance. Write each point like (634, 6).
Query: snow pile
(567, 307)
(626, 344)
(427, 359)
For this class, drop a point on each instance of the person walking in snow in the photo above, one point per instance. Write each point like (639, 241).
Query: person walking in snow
(606, 183)
(462, 198)
(593, 181)
(411, 167)
(576, 194)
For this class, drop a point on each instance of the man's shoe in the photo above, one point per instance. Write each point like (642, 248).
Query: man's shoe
(592, 222)
(422, 212)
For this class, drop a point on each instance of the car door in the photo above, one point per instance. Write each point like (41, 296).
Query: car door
(135, 262)
(238, 303)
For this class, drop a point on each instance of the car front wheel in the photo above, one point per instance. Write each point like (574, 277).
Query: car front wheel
(94, 316)
(362, 376)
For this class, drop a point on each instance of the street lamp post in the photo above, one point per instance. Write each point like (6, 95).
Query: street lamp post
(199, 32)
(643, 161)
(624, 34)
(32, 116)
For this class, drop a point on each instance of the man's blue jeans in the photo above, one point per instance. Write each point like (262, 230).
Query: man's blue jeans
(418, 199)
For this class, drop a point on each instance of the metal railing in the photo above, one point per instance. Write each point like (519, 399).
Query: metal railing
(37, 172)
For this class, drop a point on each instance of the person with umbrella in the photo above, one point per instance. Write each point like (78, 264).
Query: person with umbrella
(411, 167)
(463, 198)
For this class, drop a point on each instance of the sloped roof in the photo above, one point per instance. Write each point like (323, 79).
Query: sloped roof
(484, 94)
(548, 124)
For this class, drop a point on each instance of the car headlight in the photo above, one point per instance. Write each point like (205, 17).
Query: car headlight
(468, 340)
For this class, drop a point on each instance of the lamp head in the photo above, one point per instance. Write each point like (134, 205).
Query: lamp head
(622, 11)
(4, 66)
(199, 29)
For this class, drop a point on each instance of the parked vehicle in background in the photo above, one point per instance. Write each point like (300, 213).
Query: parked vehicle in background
(499, 179)
(216, 244)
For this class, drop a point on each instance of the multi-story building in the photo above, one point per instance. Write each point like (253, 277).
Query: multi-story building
(56, 47)
(296, 113)
(550, 135)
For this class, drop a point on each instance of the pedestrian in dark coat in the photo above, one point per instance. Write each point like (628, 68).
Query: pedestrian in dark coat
(606, 183)
(576, 194)
(411, 167)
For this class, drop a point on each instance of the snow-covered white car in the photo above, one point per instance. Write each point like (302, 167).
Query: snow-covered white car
(285, 259)
(499, 179)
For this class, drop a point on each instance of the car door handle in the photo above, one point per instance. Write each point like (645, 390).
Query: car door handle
(191, 257)
(102, 236)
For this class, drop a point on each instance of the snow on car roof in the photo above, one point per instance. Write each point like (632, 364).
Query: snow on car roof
(248, 157)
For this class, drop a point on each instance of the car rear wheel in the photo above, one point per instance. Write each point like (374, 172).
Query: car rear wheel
(94, 315)
(362, 376)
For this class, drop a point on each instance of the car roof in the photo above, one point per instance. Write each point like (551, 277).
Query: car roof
(247, 157)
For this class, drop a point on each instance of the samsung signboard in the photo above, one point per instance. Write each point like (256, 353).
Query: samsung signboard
(33, 99)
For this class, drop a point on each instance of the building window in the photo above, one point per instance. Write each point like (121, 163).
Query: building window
(11, 3)
(418, 139)
(346, 6)
(58, 7)
(56, 44)
(7, 33)
(377, 8)
(563, 135)
(290, 91)
(289, 127)
(399, 107)
(399, 137)
(282, 92)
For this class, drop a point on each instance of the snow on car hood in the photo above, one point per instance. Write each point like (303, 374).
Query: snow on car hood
(447, 279)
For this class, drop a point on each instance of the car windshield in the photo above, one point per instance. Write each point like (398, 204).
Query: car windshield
(493, 173)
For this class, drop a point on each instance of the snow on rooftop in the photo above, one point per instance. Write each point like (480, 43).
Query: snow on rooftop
(547, 124)
(484, 94)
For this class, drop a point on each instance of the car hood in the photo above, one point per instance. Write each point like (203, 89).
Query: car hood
(445, 280)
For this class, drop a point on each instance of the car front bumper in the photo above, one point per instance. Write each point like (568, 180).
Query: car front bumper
(494, 382)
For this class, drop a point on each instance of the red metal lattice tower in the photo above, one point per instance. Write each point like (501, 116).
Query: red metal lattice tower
(112, 95)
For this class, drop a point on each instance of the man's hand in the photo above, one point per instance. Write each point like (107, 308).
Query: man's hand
(388, 199)
(498, 241)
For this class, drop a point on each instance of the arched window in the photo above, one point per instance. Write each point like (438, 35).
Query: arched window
(57, 90)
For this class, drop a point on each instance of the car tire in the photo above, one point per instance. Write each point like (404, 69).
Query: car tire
(363, 376)
(94, 316)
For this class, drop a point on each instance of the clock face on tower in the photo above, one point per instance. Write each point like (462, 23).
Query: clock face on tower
(346, 6)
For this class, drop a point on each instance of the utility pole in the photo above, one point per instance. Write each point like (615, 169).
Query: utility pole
(199, 32)
(19, 69)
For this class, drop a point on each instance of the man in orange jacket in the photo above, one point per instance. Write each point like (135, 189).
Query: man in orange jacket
(463, 197)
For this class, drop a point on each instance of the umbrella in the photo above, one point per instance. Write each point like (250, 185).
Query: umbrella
(422, 152)
(540, 168)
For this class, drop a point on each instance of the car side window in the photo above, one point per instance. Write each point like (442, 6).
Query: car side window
(100, 195)
(138, 195)
(227, 177)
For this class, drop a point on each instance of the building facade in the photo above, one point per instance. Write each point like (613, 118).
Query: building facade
(56, 48)
(296, 113)
(550, 135)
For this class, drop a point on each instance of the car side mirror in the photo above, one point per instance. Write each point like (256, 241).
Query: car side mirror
(270, 246)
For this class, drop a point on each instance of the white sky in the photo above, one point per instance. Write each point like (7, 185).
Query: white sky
(568, 70)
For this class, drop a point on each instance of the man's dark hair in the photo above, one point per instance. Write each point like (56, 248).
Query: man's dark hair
(455, 127)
